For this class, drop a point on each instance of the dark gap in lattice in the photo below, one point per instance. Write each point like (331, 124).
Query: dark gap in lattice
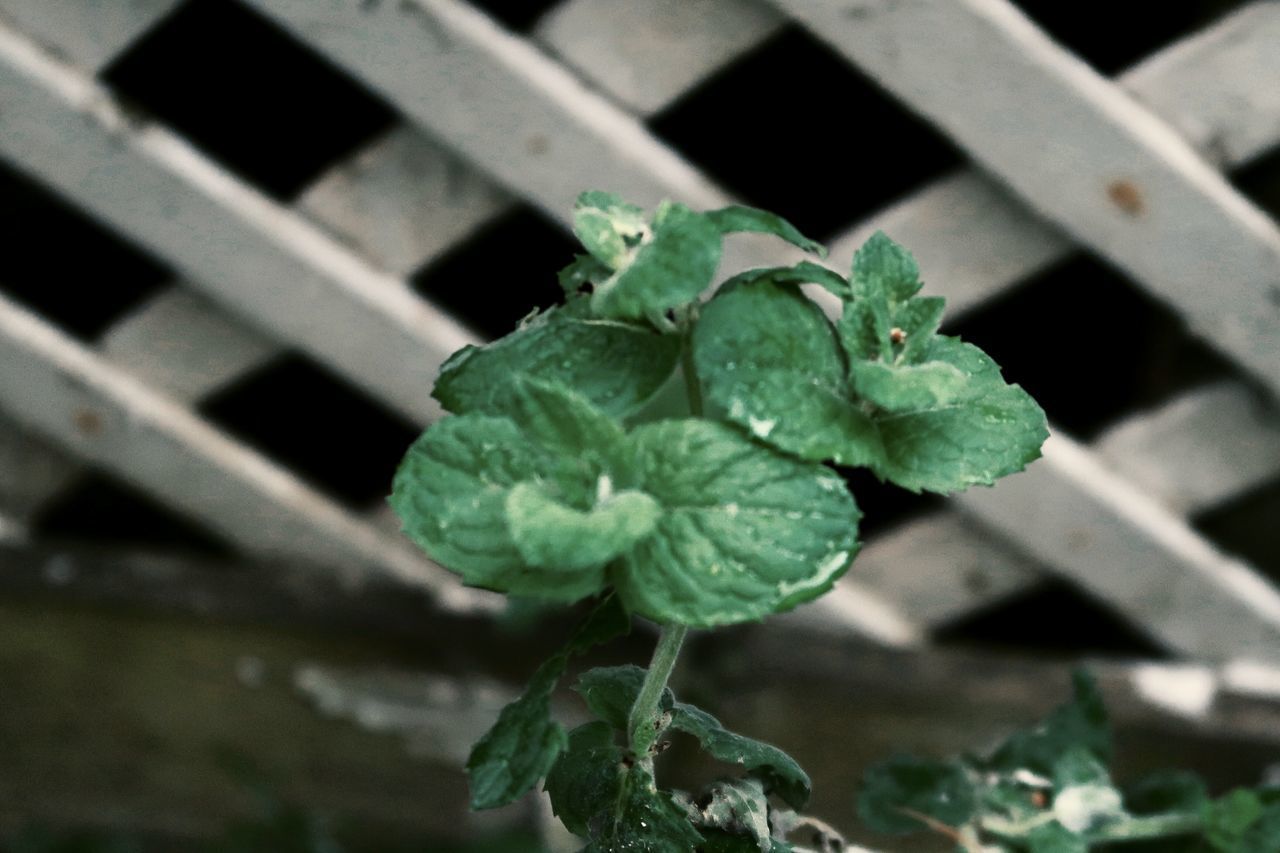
(67, 267)
(1089, 345)
(835, 149)
(1053, 618)
(497, 276)
(313, 422)
(1260, 181)
(103, 510)
(884, 505)
(247, 93)
(1246, 527)
(518, 15)
(1112, 37)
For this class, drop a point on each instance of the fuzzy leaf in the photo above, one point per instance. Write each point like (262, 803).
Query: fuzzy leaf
(739, 218)
(778, 772)
(472, 490)
(745, 531)
(675, 265)
(616, 365)
(1081, 722)
(608, 227)
(894, 789)
(451, 491)
(738, 807)
(551, 535)
(768, 358)
(581, 271)
(585, 780)
(805, 272)
(523, 745)
(642, 820)
(610, 691)
(953, 422)
(1228, 819)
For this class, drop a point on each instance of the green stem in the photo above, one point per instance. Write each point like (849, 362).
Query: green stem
(645, 713)
(693, 389)
(1150, 826)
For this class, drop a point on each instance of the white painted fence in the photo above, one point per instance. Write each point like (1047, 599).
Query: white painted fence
(492, 118)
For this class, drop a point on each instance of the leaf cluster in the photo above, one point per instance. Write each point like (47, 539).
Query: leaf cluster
(565, 469)
(1047, 789)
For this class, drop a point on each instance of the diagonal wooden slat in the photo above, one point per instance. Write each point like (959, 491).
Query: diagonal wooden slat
(612, 43)
(1071, 512)
(88, 33)
(219, 233)
(1075, 147)
(59, 388)
(511, 88)
(519, 116)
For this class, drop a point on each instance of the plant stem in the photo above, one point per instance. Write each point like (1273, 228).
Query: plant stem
(645, 714)
(691, 386)
(1150, 826)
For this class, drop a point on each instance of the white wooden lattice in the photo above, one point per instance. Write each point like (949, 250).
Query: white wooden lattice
(505, 118)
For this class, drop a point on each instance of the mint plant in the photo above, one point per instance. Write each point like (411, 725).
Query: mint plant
(676, 459)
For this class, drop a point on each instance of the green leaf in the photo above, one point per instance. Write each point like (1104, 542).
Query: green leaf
(895, 789)
(616, 365)
(1081, 722)
(778, 771)
(608, 227)
(610, 691)
(583, 270)
(450, 493)
(881, 266)
(523, 745)
(973, 435)
(805, 272)
(1228, 819)
(643, 819)
(936, 416)
(1055, 838)
(738, 807)
(739, 218)
(550, 535)
(564, 421)
(670, 268)
(745, 530)
(769, 359)
(585, 780)
(1263, 836)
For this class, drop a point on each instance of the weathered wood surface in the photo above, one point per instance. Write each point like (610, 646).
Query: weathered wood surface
(219, 233)
(1079, 150)
(126, 722)
(58, 388)
(124, 718)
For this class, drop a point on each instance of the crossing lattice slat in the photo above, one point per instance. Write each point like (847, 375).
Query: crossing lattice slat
(975, 237)
(99, 412)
